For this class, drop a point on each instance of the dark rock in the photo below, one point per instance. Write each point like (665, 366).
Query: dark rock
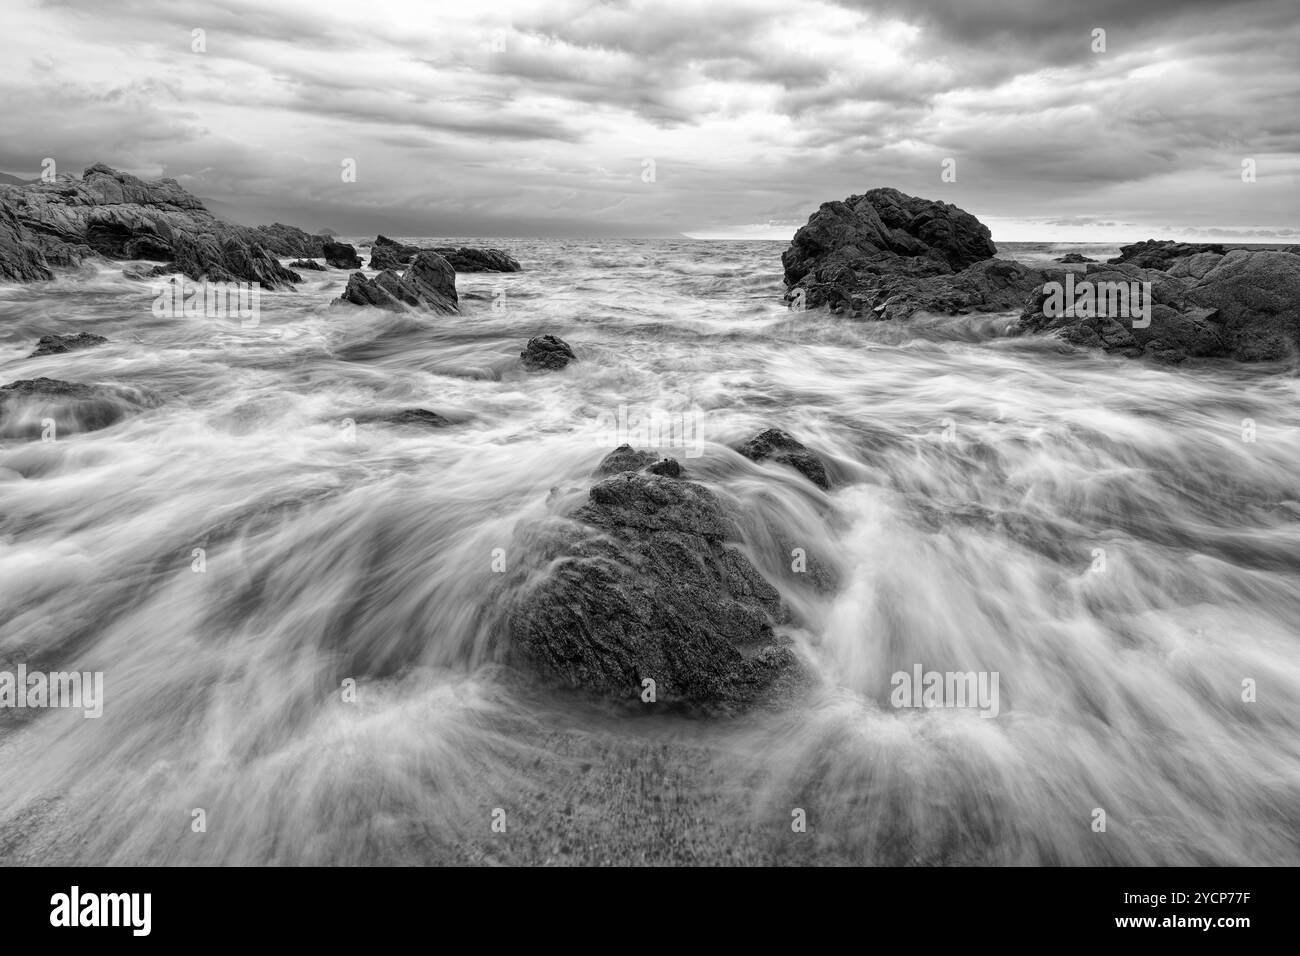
(402, 416)
(778, 446)
(993, 285)
(429, 283)
(115, 215)
(546, 352)
(1074, 257)
(1161, 253)
(463, 259)
(623, 458)
(845, 244)
(1256, 296)
(668, 467)
(1245, 306)
(341, 255)
(73, 406)
(643, 586)
(386, 257)
(58, 344)
(308, 265)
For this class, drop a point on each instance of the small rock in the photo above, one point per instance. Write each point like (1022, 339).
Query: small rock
(58, 344)
(547, 352)
(311, 265)
(778, 446)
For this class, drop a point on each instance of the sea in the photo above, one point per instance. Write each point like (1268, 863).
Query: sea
(298, 616)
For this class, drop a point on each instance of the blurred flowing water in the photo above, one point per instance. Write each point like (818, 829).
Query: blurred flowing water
(1099, 532)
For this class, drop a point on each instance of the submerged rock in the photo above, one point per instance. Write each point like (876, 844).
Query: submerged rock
(773, 444)
(429, 283)
(546, 352)
(401, 416)
(641, 585)
(341, 255)
(27, 407)
(1074, 257)
(58, 344)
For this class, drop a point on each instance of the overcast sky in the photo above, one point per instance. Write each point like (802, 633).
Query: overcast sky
(497, 118)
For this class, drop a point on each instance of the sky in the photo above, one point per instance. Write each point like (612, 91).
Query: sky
(712, 118)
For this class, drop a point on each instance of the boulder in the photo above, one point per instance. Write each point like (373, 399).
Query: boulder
(429, 283)
(546, 352)
(623, 458)
(882, 231)
(58, 344)
(640, 584)
(26, 406)
(1256, 296)
(341, 255)
(1074, 257)
(773, 444)
(308, 265)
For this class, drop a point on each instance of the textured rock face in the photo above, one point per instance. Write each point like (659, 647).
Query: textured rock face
(26, 406)
(387, 253)
(58, 344)
(429, 283)
(340, 255)
(464, 259)
(546, 352)
(641, 585)
(783, 448)
(885, 230)
(886, 255)
(1161, 253)
(113, 214)
(1243, 305)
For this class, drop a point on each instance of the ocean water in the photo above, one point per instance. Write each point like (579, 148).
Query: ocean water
(1118, 542)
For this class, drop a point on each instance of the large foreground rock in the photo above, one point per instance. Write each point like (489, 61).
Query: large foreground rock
(429, 283)
(115, 215)
(27, 406)
(642, 584)
(1241, 305)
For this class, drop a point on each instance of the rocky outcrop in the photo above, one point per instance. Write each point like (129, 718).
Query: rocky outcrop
(640, 585)
(112, 214)
(58, 344)
(429, 283)
(883, 231)
(887, 255)
(341, 255)
(1161, 253)
(307, 265)
(773, 444)
(387, 253)
(1243, 305)
(464, 259)
(28, 407)
(1075, 258)
(546, 353)
(993, 285)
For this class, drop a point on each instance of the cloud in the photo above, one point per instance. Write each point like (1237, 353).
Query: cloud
(543, 114)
